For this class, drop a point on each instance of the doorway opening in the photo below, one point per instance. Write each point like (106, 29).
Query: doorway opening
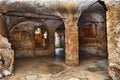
(59, 37)
(41, 37)
(93, 38)
(92, 31)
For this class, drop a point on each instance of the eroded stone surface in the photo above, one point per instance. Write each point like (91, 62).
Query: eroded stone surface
(6, 57)
(113, 31)
(71, 43)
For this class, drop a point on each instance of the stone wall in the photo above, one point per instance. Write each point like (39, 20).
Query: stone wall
(22, 38)
(113, 33)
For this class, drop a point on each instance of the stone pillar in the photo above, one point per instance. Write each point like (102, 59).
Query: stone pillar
(113, 36)
(71, 43)
(51, 43)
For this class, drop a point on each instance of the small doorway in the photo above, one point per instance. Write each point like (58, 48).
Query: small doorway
(59, 37)
(41, 37)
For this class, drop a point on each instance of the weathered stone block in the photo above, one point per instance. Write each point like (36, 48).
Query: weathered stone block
(113, 36)
(6, 56)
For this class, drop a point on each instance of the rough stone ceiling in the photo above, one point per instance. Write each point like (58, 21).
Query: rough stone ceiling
(60, 7)
(61, 3)
(66, 6)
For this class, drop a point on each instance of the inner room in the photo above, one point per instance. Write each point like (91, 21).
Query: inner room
(58, 40)
(40, 38)
(93, 38)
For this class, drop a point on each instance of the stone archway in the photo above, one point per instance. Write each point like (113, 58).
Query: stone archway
(22, 38)
(41, 37)
(92, 31)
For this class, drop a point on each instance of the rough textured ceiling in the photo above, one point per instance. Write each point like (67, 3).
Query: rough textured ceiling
(59, 7)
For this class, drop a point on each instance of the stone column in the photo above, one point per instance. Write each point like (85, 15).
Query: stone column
(51, 43)
(113, 36)
(71, 43)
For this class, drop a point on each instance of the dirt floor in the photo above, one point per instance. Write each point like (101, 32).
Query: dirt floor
(54, 68)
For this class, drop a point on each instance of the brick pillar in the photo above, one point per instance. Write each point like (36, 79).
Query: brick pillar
(71, 43)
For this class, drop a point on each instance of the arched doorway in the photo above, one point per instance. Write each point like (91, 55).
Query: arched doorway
(41, 37)
(92, 31)
(59, 37)
(26, 38)
(93, 39)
